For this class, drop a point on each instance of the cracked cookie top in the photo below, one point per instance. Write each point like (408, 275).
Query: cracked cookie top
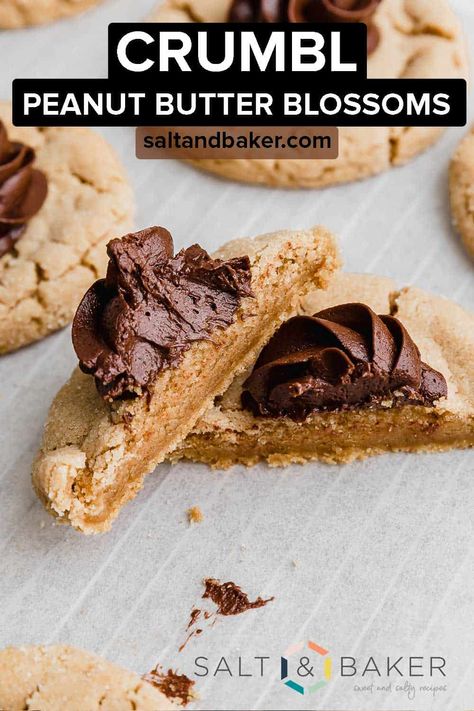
(151, 307)
(62, 249)
(343, 357)
(309, 11)
(23, 189)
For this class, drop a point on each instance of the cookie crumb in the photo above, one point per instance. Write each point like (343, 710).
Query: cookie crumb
(195, 514)
(295, 563)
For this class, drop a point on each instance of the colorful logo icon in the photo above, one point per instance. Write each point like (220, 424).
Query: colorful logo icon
(309, 681)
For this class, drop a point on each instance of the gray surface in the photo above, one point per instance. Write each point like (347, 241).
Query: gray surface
(383, 548)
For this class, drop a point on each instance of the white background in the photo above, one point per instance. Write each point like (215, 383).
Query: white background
(383, 549)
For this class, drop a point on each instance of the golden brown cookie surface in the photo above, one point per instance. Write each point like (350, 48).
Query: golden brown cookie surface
(418, 39)
(461, 185)
(228, 434)
(94, 455)
(58, 677)
(23, 13)
(62, 250)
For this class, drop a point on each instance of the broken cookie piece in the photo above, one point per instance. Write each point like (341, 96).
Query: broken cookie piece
(345, 384)
(160, 338)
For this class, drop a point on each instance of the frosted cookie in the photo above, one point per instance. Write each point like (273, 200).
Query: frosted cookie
(63, 196)
(461, 184)
(157, 341)
(22, 13)
(349, 383)
(58, 677)
(407, 39)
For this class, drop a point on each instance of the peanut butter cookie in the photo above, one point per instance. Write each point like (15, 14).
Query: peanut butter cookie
(57, 678)
(157, 341)
(23, 13)
(461, 184)
(53, 248)
(407, 39)
(349, 384)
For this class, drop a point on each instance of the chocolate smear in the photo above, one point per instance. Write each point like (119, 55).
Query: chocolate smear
(177, 687)
(345, 357)
(151, 307)
(229, 599)
(194, 616)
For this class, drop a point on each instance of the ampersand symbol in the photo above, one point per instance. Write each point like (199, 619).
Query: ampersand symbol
(304, 662)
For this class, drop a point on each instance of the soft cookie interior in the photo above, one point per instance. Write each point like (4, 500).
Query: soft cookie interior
(95, 455)
(227, 434)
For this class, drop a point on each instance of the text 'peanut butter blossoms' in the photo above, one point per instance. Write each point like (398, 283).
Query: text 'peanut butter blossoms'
(23, 190)
(309, 11)
(341, 358)
(151, 307)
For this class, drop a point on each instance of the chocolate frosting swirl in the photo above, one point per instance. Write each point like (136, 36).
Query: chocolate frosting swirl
(151, 307)
(341, 358)
(309, 11)
(23, 190)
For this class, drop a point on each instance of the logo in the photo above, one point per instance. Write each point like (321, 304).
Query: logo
(309, 680)
(308, 667)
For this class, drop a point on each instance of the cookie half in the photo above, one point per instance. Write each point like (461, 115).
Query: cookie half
(58, 677)
(417, 39)
(62, 248)
(461, 186)
(229, 434)
(95, 454)
(23, 13)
